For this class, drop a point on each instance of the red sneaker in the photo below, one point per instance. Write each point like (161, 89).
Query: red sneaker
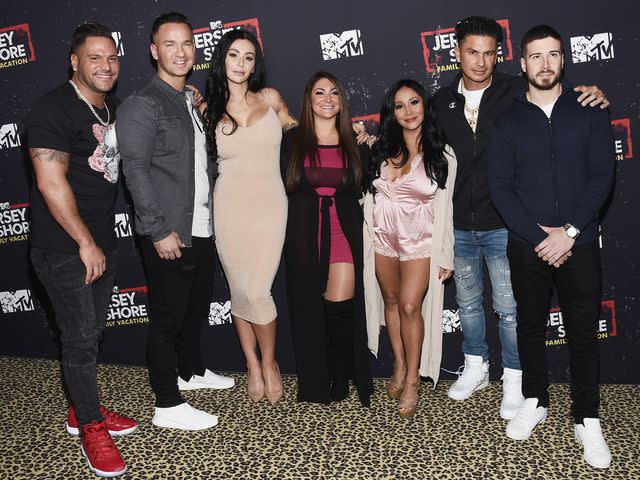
(118, 425)
(101, 453)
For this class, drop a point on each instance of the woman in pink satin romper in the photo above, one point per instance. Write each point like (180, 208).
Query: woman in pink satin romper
(408, 168)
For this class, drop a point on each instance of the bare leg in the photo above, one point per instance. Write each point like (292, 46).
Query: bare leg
(341, 283)
(414, 281)
(266, 337)
(249, 344)
(388, 275)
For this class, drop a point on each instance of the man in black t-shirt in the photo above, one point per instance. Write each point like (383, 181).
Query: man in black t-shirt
(72, 145)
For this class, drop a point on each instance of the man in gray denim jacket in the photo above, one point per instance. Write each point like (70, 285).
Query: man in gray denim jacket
(170, 177)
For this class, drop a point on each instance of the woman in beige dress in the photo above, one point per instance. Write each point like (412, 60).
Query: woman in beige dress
(244, 129)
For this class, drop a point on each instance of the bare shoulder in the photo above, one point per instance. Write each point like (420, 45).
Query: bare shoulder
(273, 97)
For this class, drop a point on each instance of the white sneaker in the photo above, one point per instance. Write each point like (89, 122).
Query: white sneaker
(208, 380)
(475, 376)
(183, 417)
(512, 398)
(529, 415)
(596, 451)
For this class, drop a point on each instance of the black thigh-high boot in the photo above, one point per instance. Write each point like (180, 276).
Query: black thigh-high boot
(339, 328)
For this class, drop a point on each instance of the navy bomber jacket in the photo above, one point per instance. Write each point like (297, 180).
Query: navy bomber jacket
(551, 171)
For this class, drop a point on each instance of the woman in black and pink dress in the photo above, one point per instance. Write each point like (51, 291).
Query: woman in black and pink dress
(322, 169)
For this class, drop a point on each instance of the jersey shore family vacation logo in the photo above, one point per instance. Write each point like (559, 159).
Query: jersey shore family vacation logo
(438, 45)
(607, 325)
(207, 38)
(16, 47)
(128, 306)
(341, 45)
(590, 48)
(9, 136)
(16, 301)
(14, 225)
(622, 138)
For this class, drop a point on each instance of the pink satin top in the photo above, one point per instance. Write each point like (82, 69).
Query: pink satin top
(403, 213)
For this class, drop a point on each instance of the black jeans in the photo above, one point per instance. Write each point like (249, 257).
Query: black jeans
(81, 312)
(180, 293)
(579, 284)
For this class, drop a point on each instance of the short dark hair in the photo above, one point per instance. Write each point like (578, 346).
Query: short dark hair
(483, 26)
(538, 33)
(171, 17)
(86, 30)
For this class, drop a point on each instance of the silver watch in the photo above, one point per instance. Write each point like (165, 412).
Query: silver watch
(571, 231)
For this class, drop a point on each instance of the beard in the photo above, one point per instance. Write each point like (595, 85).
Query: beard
(546, 84)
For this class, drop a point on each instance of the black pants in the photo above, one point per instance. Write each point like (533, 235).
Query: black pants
(180, 293)
(579, 283)
(81, 312)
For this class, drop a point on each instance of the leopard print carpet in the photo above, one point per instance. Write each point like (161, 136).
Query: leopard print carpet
(445, 440)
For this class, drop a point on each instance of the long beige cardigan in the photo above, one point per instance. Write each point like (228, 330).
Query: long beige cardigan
(441, 256)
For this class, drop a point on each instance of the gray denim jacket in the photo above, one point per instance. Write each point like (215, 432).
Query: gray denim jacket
(156, 139)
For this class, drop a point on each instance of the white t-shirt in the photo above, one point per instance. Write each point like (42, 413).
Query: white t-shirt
(549, 108)
(471, 99)
(201, 226)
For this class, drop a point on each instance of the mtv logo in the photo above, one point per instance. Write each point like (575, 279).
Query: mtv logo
(123, 225)
(220, 313)
(216, 25)
(18, 301)
(9, 136)
(117, 37)
(595, 47)
(339, 45)
(450, 321)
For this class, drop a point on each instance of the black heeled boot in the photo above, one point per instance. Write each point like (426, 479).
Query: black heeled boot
(339, 328)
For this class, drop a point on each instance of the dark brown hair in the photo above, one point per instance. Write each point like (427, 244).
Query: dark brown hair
(86, 30)
(306, 143)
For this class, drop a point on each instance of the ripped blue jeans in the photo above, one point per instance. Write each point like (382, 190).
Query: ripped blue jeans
(471, 249)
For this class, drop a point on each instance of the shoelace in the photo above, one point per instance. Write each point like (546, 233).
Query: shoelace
(98, 438)
(594, 437)
(524, 416)
(113, 416)
(458, 372)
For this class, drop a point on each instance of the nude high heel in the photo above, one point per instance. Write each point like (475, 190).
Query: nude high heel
(255, 385)
(273, 389)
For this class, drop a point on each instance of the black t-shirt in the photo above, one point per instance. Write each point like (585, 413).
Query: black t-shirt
(61, 121)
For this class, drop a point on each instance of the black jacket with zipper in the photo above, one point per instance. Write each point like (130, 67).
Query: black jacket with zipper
(472, 205)
(551, 170)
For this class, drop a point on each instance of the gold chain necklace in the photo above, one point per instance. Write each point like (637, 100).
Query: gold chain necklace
(95, 114)
(472, 112)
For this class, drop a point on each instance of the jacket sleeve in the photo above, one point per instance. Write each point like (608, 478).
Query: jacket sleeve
(136, 130)
(502, 185)
(448, 240)
(601, 164)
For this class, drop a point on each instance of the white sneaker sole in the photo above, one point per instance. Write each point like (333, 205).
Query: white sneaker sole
(114, 433)
(593, 464)
(524, 437)
(199, 386)
(100, 473)
(480, 386)
(165, 423)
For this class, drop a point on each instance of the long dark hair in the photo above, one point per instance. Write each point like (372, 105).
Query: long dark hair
(306, 142)
(391, 143)
(217, 91)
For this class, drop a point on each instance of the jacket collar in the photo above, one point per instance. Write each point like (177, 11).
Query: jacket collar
(522, 94)
(168, 90)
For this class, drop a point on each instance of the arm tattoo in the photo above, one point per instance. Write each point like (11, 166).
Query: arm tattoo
(47, 154)
(291, 122)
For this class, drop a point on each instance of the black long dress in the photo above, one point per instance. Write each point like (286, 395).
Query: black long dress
(303, 279)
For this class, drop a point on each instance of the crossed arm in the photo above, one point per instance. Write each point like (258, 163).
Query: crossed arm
(51, 167)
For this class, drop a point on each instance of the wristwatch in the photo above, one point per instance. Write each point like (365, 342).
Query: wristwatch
(571, 231)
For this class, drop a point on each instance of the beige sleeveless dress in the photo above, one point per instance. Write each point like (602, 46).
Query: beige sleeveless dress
(250, 214)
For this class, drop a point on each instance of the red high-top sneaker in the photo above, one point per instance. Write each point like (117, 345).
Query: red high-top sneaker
(118, 425)
(101, 453)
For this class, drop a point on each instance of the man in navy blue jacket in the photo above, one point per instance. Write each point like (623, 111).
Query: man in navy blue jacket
(551, 168)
